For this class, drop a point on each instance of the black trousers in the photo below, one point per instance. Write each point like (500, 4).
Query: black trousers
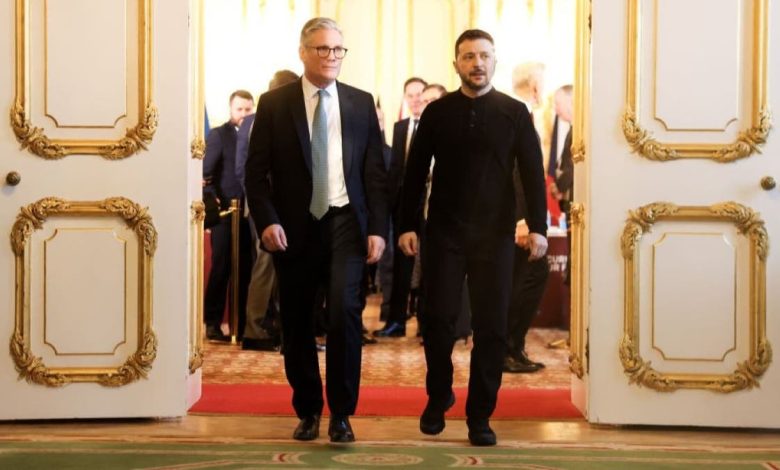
(334, 254)
(487, 260)
(528, 282)
(403, 266)
(219, 276)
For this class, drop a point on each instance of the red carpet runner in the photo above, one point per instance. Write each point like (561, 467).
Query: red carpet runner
(259, 399)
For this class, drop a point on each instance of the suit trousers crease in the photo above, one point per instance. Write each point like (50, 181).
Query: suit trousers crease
(403, 266)
(334, 257)
(528, 283)
(487, 261)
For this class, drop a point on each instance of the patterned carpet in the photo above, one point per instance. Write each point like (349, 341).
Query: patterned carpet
(392, 361)
(88, 455)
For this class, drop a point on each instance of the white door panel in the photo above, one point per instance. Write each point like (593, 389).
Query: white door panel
(96, 276)
(691, 288)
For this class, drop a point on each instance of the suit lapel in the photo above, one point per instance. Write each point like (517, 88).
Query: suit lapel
(347, 112)
(301, 123)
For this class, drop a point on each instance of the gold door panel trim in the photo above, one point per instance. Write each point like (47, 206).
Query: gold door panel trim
(749, 141)
(198, 93)
(577, 335)
(35, 140)
(198, 215)
(33, 217)
(748, 223)
(581, 80)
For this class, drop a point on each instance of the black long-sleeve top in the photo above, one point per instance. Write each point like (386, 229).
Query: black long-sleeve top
(476, 143)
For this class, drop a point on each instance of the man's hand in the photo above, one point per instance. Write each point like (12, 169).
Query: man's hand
(521, 234)
(408, 243)
(537, 245)
(274, 238)
(376, 245)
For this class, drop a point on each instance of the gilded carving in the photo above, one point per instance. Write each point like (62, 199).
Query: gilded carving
(642, 141)
(33, 217)
(198, 211)
(32, 137)
(35, 140)
(578, 152)
(748, 141)
(577, 335)
(137, 366)
(198, 148)
(136, 218)
(136, 139)
(749, 223)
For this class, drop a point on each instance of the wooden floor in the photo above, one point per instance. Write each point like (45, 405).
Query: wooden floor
(237, 429)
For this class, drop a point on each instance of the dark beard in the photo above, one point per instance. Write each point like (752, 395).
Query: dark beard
(466, 81)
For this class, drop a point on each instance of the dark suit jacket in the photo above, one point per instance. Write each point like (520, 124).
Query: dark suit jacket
(278, 172)
(565, 179)
(242, 149)
(219, 165)
(395, 177)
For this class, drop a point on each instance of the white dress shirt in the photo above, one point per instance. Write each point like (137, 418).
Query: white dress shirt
(337, 188)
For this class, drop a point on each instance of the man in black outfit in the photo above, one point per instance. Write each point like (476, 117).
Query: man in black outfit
(316, 186)
(219, 176)
(477, 135)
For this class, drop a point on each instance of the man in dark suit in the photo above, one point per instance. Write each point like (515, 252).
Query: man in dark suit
(316, 186)
(219, 175)
(403, 134)
(477, 135)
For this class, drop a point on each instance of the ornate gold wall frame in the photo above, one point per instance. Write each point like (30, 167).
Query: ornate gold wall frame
(33, 217)
(748, 223)
(197, 35)
(198, 215)
(581, 80)
(577, 337)
(33, 138)
(748, 141)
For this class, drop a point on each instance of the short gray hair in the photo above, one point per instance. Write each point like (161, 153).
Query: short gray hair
(316, 24)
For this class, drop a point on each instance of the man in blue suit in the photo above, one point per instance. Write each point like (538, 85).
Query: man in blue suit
(316, 186)
(220, 179)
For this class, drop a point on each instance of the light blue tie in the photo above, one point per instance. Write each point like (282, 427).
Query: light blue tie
(319, 158)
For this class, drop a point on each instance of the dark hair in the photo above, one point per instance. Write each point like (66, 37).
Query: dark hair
(409, 81)
(241, 94)
(282, 77)
(471, 35)
(436, 86)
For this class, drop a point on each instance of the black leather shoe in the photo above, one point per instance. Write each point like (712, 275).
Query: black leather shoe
(308, 428)
(525, 360)
(480, 434)
(214, 333)
(340, 430)
(367, 339)
(391, 330)
(432, 418)
(252, 344)
(514, 366)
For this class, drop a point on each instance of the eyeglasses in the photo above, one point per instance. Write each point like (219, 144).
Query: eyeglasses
(324, 51)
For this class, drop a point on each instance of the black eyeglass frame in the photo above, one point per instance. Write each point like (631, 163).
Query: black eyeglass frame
(323, 52)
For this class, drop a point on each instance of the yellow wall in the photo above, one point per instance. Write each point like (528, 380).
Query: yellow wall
(388, 41)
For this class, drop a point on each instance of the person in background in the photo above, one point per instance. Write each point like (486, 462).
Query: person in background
(220, 179)
(262, 329)
(316, 186)
(403, 135)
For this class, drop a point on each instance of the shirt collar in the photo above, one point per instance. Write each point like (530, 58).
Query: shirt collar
(309, 90)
